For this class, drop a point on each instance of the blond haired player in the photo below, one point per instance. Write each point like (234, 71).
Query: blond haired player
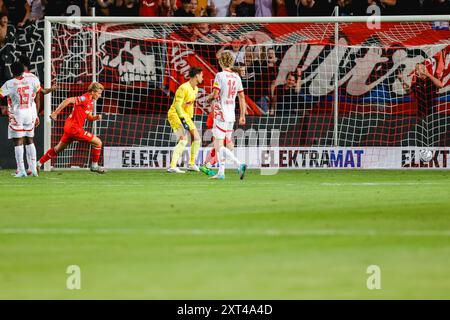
(180, 117)
(227, 85)
(83, 106)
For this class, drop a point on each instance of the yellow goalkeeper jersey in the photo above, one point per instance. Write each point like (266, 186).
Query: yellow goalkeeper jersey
(183, 104)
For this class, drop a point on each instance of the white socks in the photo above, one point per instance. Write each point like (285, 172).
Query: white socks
(224, 152)
(31, 156)
(18, 150)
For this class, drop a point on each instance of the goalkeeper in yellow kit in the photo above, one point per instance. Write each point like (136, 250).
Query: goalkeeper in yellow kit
(180, 117)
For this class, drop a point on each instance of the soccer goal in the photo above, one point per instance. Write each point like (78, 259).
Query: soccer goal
(328, 92)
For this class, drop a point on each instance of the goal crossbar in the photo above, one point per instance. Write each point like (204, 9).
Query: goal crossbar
(235, 20)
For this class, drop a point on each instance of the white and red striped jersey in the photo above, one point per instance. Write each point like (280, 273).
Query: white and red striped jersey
(21, 92)
(27, 74)
(229, 85)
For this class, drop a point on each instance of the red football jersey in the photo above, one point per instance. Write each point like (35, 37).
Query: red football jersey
(149, 8)
(83, 106)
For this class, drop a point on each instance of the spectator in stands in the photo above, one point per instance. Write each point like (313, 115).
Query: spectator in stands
(33, 11)
(185, 10)
(205, 8)
(236, 49)
(104, 7)
(242, 8)
(264, 74)
(424, 86)
(149, 8)
(247, 73)
(280, 8)
(194, 4)
(201, 31)
(272, 60)
(222, 7)
(345, 7)
(15, 9)
(238, 52)
(264, 8)
(208, 34)
(286, 96)
(3, 29)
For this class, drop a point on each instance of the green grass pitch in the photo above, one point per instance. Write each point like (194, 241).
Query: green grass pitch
(294, 235)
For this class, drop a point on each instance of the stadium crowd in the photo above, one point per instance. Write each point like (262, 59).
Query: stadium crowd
(20, 12)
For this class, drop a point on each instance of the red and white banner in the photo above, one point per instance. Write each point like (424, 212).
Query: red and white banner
(179, 61)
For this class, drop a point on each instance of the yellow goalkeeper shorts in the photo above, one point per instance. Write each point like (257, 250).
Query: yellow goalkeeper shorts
(175, 122)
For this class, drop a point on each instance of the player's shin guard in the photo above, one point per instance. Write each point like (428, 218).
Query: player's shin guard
(177, 152)
(195, 146)
(31, 156)
(95, 155)
(50, 154)
(18, 150)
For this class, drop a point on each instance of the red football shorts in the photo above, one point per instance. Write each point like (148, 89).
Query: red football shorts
(76, 134)
(210, 121)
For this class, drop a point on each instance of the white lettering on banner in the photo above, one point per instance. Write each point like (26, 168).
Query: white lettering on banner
(358, 69)
(180, 65)
(286, 158)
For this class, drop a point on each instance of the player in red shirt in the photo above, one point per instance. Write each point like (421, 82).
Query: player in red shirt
(73, 128)
(149, 8)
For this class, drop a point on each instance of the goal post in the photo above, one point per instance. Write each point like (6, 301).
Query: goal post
(322, 92)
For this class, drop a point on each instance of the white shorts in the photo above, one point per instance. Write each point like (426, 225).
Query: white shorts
(21, 125)
(222, 130)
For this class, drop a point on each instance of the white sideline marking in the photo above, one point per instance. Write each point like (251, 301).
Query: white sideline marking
(209, 183)
(223, 232)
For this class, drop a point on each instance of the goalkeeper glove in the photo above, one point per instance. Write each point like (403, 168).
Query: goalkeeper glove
(185, 125)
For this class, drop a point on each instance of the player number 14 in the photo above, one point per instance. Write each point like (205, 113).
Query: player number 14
(231, 89)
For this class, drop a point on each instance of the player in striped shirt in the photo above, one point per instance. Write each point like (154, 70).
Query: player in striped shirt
(30, 149)
(227, 85)
(21, 92)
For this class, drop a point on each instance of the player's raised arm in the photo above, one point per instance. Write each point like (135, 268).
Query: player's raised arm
(62, 106)
(438, 83)
(53, 88)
